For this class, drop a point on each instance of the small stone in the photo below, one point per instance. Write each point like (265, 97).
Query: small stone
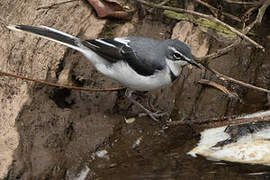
(130, 120)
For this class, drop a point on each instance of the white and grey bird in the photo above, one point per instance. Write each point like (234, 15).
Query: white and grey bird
(138, 63)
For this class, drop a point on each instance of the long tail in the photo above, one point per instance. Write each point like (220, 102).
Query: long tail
(50, 34)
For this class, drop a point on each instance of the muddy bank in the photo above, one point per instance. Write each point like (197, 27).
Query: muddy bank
(53, 133)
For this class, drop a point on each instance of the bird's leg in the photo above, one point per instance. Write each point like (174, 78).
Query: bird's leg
(151, 104)
(153, 107)
(149, 113)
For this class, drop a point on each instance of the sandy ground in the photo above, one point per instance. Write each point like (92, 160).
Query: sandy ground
(53, 133)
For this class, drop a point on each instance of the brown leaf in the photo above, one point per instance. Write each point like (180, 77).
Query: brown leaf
(219, 87)
(110, 9)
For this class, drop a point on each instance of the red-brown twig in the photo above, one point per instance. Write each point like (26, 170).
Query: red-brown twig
(58, 85)
(55, 4)
(224, 77)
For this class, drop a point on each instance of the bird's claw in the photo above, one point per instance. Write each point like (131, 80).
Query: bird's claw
(154, 115)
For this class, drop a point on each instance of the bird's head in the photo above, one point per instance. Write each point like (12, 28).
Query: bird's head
(178, 54)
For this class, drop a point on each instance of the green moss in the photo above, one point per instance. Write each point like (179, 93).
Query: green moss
(199, 21)
(109, 29)
(107, 32)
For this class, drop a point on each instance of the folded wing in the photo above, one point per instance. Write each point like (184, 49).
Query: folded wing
(119, 49)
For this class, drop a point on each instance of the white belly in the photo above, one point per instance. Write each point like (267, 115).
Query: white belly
(124, 74)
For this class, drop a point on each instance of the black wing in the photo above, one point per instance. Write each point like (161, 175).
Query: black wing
(114, 50)
(107, 48)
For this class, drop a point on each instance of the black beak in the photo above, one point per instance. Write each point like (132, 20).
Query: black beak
(194, 63)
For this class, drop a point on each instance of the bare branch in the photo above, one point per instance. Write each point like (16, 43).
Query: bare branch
(228, 48)
(224, 77)
(55, 4)
(205, 60)
(243, 2)
(219, 121)
(259, 16)
(58, 85)
(216, 10)
(164, 2)
(204, 16)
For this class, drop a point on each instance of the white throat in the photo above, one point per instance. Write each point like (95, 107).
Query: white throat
(175, 67)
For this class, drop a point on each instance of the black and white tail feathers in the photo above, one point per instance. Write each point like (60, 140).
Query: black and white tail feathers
(104, 51)
(50, 34)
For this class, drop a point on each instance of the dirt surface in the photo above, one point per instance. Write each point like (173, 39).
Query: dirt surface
(53, 133)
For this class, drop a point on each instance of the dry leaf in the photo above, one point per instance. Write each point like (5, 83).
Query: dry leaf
(110, 9)
(220, 87)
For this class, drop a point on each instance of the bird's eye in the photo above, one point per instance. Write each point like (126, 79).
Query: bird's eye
(177, 56)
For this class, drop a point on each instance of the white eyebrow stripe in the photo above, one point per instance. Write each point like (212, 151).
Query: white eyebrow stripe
(172, 48)
(107, 44)
(176, 51)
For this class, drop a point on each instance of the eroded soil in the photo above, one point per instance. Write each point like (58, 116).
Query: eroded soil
(54, 133)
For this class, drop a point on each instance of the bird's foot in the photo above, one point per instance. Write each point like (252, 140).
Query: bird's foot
(153, 115)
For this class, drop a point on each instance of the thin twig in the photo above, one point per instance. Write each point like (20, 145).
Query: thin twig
(55, 4)
(216, 10)
(219, 121)
(3, 23)
(58, 85)
(228, 121)
(224, 77)
(211, 18)
(251, 9)
(164, 2)
(205, 59)
(160, 4)
(226, 49)
(259, 16)
(242, 2)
